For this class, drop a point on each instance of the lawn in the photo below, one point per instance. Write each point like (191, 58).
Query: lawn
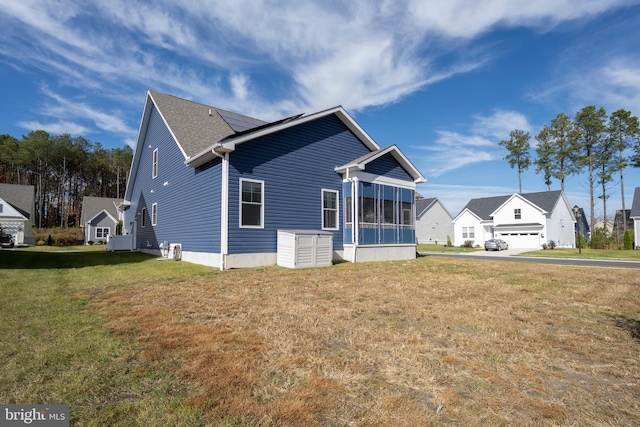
(128, 340)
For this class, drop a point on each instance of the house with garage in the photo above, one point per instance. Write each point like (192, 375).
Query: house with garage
(522, 220)
(221, 187)
(434, 223)
(17, 212)
(99, 218)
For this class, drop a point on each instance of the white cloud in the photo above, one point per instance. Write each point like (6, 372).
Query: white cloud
(454, 150)
(357, 54)
(56, 128)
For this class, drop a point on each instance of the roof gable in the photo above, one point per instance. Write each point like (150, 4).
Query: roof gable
(425, 205)
(21, 197)
(10, 211)
(361, 162)
(93, 206)
(485, 207)
(517, 197)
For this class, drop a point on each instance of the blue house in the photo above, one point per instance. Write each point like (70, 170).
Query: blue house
(220, 185)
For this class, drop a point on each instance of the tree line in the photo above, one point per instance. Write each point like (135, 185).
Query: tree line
(593, 142)
(63, 169)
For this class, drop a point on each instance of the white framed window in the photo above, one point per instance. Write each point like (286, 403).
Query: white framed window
(472, 232)
(154, 214)
(465, 232)
(143, 215)
(517, 214)
(329, 210)
(251, 203)
(102, 232)
(154, 169)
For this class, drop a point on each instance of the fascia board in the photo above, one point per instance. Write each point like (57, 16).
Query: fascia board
(518, 196)
(13, 214)
(469, 211)
(418, 178)
(105, 211)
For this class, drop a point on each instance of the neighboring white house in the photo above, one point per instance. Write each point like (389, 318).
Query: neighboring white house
(17, 212)
(434, 223)
(522, 220)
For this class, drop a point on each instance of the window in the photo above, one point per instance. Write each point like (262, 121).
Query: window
(517, 214)
(0, 207)
(251, 205)
(407, 213)
(465, 232)
(154, 171)
(329, 210)
(472, 232)
(154, 214)
(144, 217)
(102, 232)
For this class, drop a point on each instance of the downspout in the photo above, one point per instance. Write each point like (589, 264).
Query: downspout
(224, 212)
(356, 215)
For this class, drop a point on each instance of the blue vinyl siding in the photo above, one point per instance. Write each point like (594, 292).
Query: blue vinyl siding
(389, 167)
(189, 203)
(295, 165)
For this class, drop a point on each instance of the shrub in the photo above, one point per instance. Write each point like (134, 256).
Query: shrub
(91, 242)
(628, 239)
(67, 236)
(581, 242)
(597, 239)
(449, 244)
(467, 244)
(119, 228)
(545, 246)
(552, 244)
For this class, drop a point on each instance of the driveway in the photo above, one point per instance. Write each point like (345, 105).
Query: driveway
(508, 252)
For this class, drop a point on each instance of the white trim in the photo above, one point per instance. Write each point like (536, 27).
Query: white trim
(105, 211)
(337, 210)
(154, 214)
(377, 179)
(224, 214)
(102, 228)
(154, 164)
(404, 162)
(262, 202)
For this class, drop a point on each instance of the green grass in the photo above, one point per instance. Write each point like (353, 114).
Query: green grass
(54, 347)
(586, 254)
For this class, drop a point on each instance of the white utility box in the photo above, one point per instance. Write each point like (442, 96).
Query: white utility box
(305, 248)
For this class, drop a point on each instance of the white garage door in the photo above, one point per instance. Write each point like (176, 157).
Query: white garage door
(521, 240)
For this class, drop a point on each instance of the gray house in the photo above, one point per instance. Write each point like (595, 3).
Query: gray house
(99, 218)
(434, 223)
(17, 212)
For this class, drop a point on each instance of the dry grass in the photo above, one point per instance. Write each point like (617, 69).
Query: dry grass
(427, 342)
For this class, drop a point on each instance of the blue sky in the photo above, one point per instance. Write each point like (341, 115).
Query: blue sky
(445, 81)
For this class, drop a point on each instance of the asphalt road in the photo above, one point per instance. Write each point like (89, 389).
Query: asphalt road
(508, 255)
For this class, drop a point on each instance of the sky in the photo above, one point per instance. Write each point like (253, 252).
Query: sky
(445, 81)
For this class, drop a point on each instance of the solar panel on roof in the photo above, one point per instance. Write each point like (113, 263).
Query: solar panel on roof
(239, 123)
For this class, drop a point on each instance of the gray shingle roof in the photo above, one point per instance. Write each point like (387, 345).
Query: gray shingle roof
(484, 207)
(635, 206)
(92, 206)
(21, 197)
(423, 204)
(193, 125)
